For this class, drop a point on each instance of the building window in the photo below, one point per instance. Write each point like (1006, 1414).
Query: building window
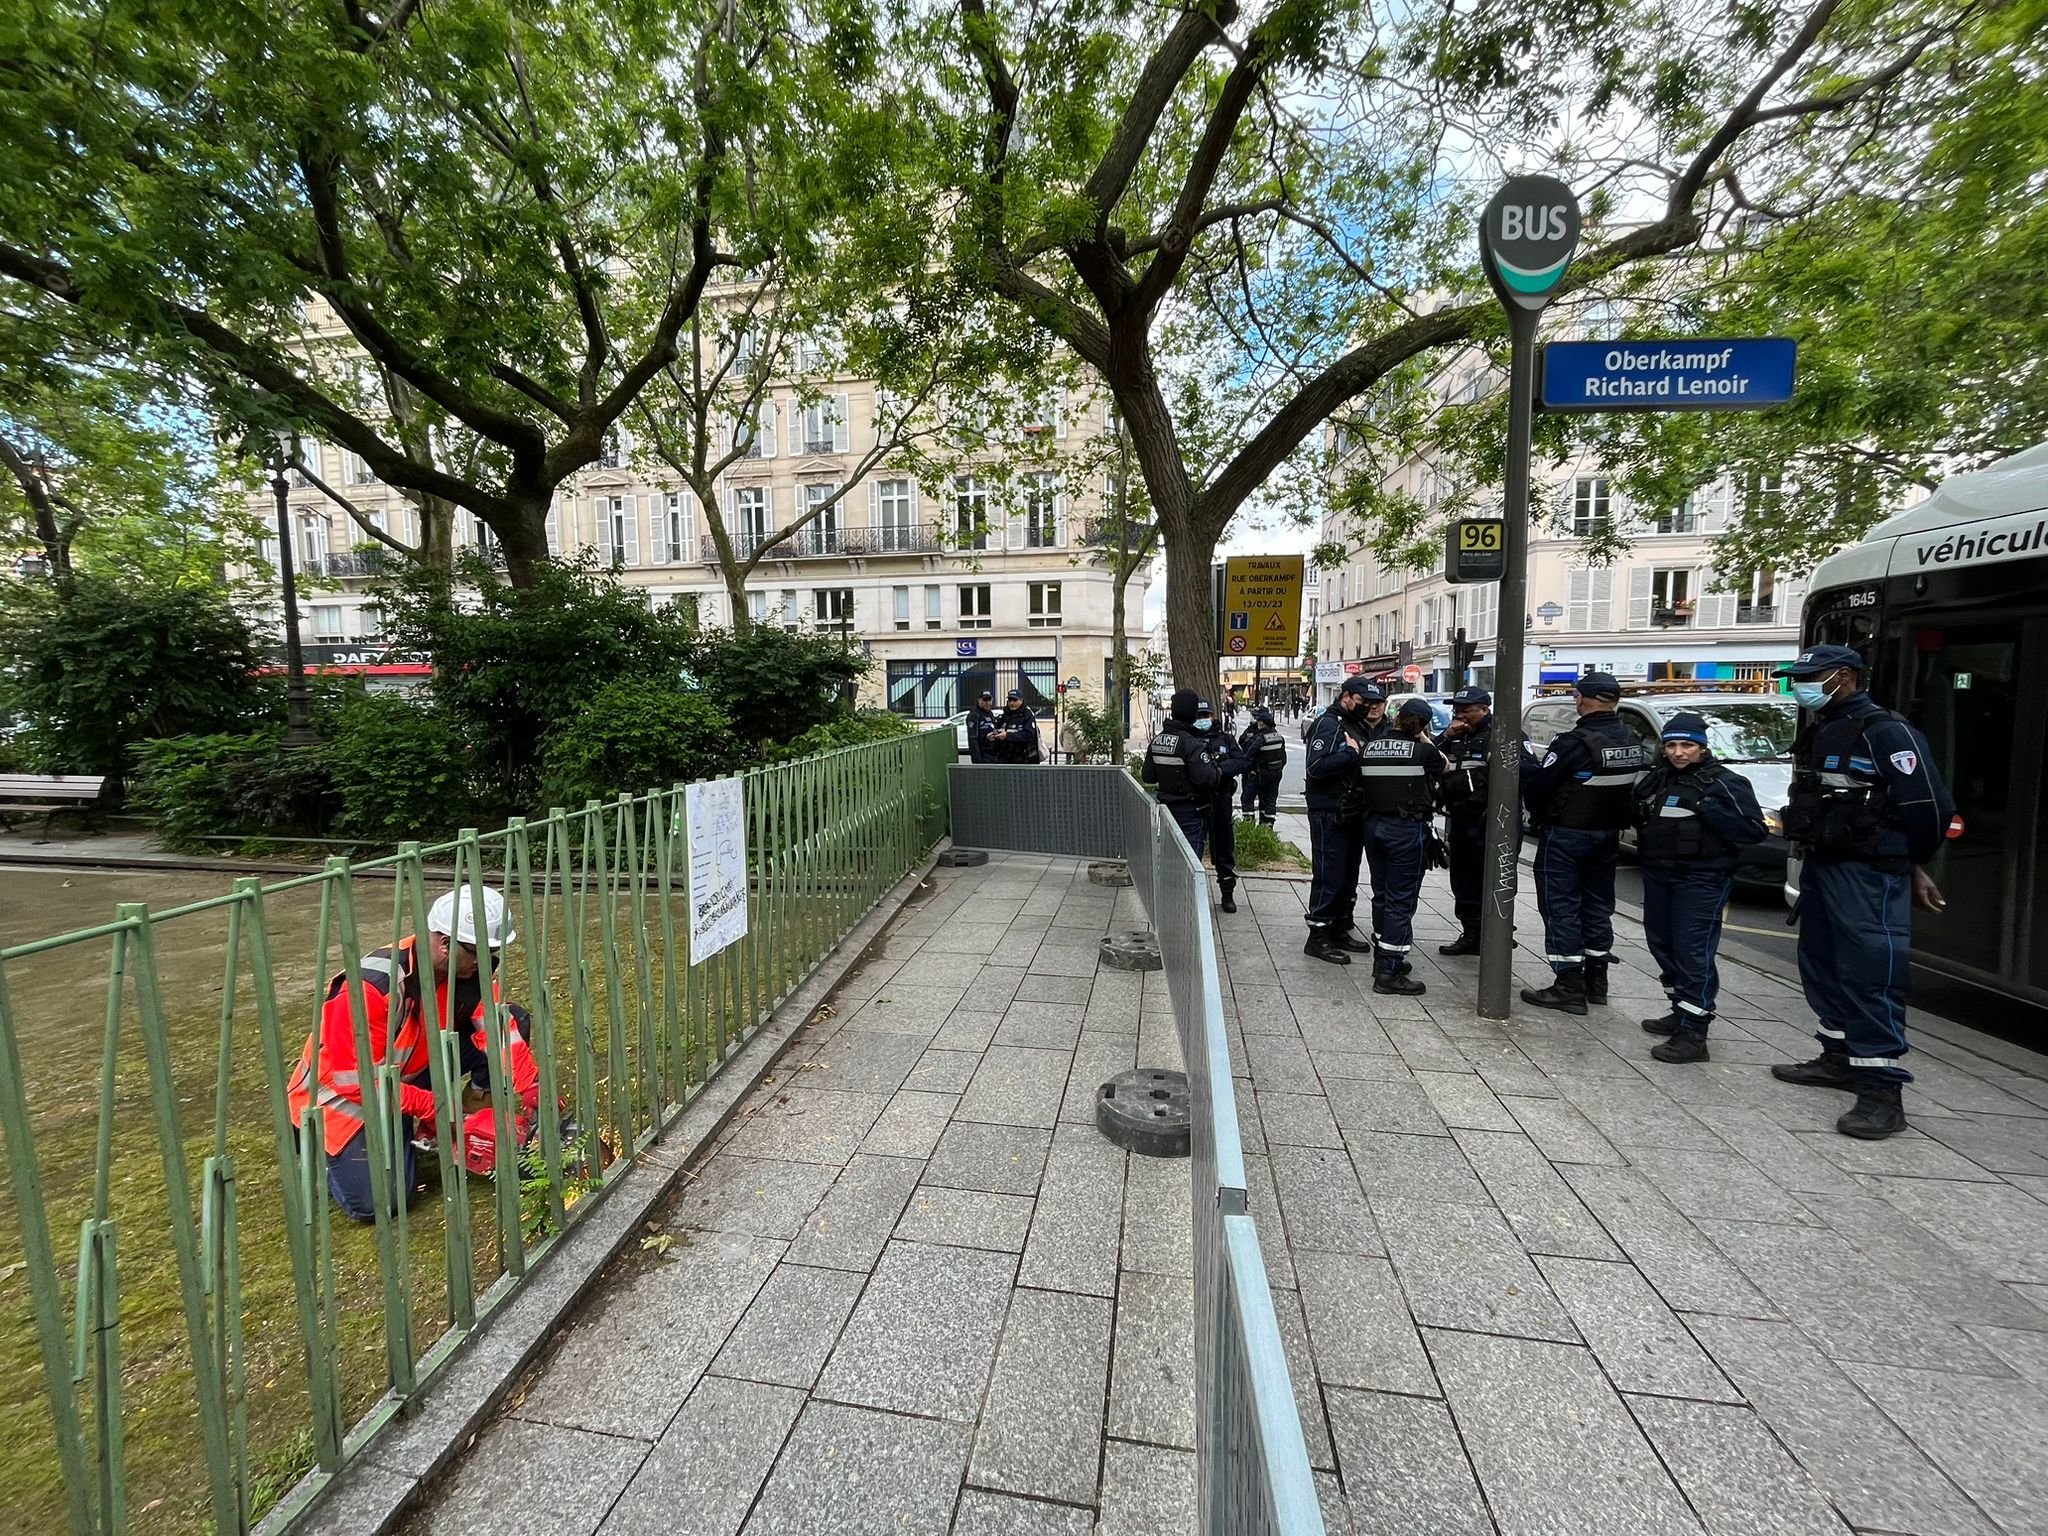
(326, 622)
(970, 512)
(826, 535)
(789, 613)
(975, 608)
(1686, 519)
(1042, 512)
(1756, 601)
(1762, 495)
(899, 606)
(618, 531)
(676, 527)
(934, 617)
(757, 607)
(1045, 604)
(1589, 505)
(834, 607)
(932, 690)
(370, 621)
(824, 426)
(358, 469)
(1671, 597)
(613, 454)
(1379, 633)
(1752, 671)
(750, 512)
(895, 516)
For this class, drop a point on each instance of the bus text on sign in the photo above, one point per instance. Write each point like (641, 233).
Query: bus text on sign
(1475, 549)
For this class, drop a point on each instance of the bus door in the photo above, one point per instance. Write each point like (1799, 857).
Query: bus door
(1978, 690)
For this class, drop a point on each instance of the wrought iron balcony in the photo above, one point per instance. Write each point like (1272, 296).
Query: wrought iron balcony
(1109, 531)
(837, 544)
(1670, 618)
(356, 562)
(1756, 613)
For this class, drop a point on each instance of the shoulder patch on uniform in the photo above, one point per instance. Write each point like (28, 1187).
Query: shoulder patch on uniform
(1906, 762)
(1549, 758)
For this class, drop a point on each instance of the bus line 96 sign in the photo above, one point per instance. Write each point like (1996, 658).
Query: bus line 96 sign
(1475, 549)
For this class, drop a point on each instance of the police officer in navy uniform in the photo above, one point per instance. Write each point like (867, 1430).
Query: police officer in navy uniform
(980, 721)
(1336, 820)
(1867, 809)
(1691, 815)
(1579, 797)
(1015, 737)
(1181, 760)
(1462, 794)
(1230, 762)
(1398, 771)
(1265, 753)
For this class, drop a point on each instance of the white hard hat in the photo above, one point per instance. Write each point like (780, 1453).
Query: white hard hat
(454, 912)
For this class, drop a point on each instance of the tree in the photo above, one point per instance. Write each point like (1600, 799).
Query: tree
(458, 240)
(1248, 221)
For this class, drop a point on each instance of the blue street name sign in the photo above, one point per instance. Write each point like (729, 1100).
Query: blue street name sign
(1743, 375)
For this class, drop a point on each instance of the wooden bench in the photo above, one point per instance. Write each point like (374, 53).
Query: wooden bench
(45, 794)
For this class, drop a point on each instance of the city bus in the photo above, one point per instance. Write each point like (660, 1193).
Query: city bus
(1948, 603)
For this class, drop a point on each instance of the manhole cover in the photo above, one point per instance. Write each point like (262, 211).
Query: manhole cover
(1146, 1111)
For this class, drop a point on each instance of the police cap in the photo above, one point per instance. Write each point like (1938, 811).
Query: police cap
(1263, 715)
(1686, 726)
(1016, 696)
(1473, 696)
(1371, 692)
(1204, 708)
(1815, 660)
(1416, 709)
(1598, 685)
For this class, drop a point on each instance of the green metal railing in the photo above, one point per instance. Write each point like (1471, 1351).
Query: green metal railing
(249, 1390)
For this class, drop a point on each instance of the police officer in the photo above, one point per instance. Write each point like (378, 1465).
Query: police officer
(1867, 809)
(980, 721)
(1265, 752)
(1462, 794)
(1336, 820)
(1015, 737)
(1397, 771)
(1579, 797)
(1181, 760)
(1230, 762)
(1691, 816)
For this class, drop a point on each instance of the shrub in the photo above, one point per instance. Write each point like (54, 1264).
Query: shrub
(400, 769)
(1261, 847)
(116, 663)
(774, 684)
(1092, 731)
(638, 734)
(855, 730)
(223, 785)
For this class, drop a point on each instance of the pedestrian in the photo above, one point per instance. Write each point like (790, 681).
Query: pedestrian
(1230, 763)
(1579, 797)
(331, 1075)
(1336, 821)
(1015, 737)
(1181, 760)
(1467, 746)
(1691, 816)
(980, 721)
(1867, 809)
(1265, 752)
(1398, 771)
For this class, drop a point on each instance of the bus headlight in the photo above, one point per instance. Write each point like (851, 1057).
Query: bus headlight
(1774, 824)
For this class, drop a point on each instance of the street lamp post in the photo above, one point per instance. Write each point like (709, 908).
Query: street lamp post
(297, 705)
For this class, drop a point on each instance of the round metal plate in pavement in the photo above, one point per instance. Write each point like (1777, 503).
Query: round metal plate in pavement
(1145, 1110)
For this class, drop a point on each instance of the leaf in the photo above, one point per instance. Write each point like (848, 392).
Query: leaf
(658, 1244)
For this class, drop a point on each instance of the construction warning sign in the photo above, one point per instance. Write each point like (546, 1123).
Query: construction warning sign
(1262, 604)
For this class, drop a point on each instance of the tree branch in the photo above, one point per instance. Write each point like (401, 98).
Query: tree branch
(1221, 213)
(1161, 77)
(361, 518)
(1744, 114)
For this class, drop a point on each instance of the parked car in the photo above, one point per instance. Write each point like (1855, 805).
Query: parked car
(1750, 732)
(1309, 717)
(1439, 709)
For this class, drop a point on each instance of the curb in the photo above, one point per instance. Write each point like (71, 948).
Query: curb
(406, 1446)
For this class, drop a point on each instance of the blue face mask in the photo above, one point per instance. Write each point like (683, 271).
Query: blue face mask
(1810, 695)
(1205, 724)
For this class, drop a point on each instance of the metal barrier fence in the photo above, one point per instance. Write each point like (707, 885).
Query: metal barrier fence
(1073, 809)
(271, 1326)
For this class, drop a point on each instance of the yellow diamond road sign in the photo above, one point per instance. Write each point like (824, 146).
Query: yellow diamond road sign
(1262, 603)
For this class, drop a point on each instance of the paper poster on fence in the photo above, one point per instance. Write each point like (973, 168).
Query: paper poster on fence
(716, 815)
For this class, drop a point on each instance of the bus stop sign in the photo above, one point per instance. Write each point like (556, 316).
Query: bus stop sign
(1749, 374)
(1475, 549)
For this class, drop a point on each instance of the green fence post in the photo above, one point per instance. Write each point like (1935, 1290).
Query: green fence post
(437, 1004)
(99, 1360)
(549, 1132)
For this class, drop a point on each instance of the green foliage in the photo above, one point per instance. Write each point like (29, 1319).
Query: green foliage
(401, 769)
(775, 685)
(1260, 847)
(203, 787)
(520, 662)
(115, 663)
(855, 730)
(634, 735)
(1094, 731)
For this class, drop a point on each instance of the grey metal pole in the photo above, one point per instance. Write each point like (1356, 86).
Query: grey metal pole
(298, 707)
(1504, 770)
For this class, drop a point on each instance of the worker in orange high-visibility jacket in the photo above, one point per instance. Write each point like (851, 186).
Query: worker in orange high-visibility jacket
(452, 950)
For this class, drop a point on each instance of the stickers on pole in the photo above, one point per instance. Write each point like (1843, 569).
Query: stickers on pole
(715, 813)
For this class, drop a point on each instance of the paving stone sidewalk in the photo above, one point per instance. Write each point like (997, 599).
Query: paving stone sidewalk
(1529, 1280)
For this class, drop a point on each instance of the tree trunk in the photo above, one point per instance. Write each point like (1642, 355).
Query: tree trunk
(524, 535)
(437, 532)
(1190, 611)
(1119, 661)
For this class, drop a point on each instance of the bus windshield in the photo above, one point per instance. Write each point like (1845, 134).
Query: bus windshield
(1750, 732)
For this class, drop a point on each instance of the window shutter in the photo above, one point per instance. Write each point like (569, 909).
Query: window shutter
(874, 503)
(1059, 416)
(841, 438)
(1016, 535)
(1639, 597)
(767, 429)
(604, 530)
(1791, 597)
(913, 503)
(1059, 514)
(657, 529)
(555, 527)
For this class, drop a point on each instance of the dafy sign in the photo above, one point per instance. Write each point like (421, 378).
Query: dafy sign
(1526, 240)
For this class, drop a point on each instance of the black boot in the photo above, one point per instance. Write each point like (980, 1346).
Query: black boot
(1830, 1069)
(1667, 1024)
(1567, 994)
(1322, 947)
(1596, 981)
(1466, 943)
(1347, 938)
(1684, 1045)
(1230, 895)
(1878, 1112)
(1396, 982)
